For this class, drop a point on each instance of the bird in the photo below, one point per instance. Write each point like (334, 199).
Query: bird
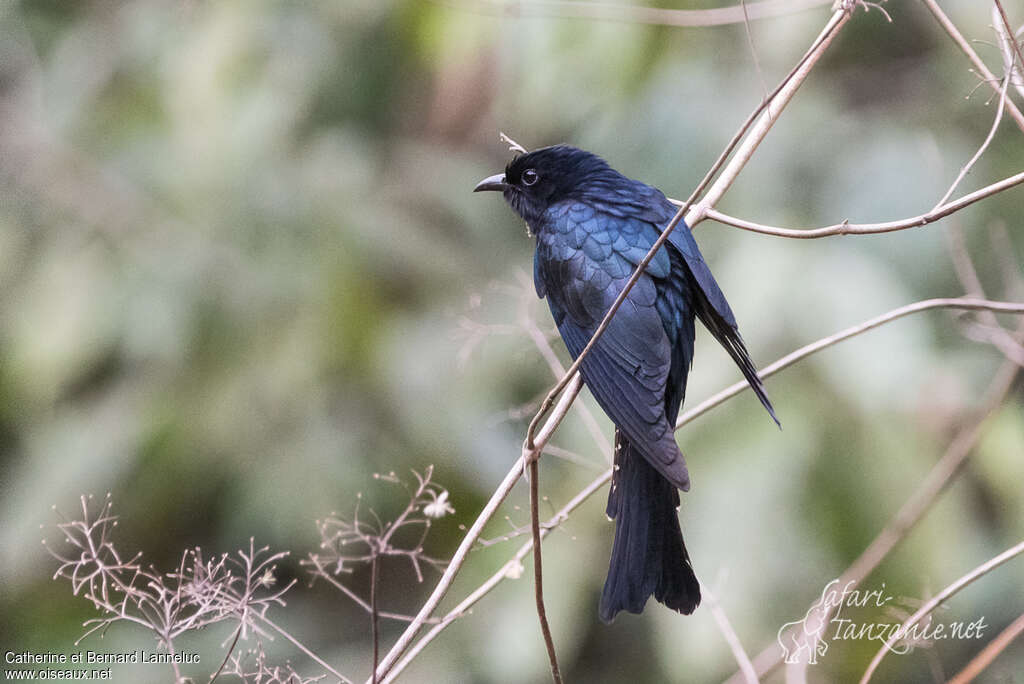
(593, 226)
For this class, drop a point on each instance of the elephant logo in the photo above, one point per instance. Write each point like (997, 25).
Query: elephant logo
(805, 638)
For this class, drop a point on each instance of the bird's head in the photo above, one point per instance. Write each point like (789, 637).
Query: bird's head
(534, 181)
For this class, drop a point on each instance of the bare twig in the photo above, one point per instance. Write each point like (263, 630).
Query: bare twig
(374, 627)
(919, 502)
(512, 569)
(929, 606)
(807, 350)
(846, 228)
(1005, 32)
(1010, 49)
(459, 558)
(984, 145)
(302, 647)
(983, 71)
(639, 14)
(730, 636)
(989, 653)
(538, 574)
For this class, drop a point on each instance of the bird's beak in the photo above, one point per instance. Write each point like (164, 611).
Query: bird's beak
(495, 182)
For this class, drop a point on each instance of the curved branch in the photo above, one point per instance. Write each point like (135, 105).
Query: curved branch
(846, 228)
(805, 351)
(989, 653)
(931, 605)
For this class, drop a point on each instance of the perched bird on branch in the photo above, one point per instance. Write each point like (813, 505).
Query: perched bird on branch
(593, 226)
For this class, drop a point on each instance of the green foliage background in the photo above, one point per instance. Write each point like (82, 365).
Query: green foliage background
(237, 240)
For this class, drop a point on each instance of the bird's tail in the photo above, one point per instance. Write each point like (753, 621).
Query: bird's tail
(648, 554)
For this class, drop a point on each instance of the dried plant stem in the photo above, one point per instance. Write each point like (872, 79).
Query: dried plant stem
(309, 654)
(846, 228)
(538, 574)
(227, 655)
(928, 607)
(989, 653)
(983, 71)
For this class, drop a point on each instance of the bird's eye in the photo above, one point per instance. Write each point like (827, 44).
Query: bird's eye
(530, 177)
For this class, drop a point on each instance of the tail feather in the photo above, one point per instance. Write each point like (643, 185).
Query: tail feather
(648, 554)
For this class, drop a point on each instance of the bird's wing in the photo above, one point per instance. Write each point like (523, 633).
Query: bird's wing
(711, 306)
(582, 262)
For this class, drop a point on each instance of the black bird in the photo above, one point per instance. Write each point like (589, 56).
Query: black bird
(593, 227)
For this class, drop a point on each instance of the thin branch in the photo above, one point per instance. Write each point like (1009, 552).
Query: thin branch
(989, 653)
(1013, 62)
(374, 626)
(807, 350)
(540, 340)
(929, 606)
(512, 569)
(459, 558)
(962, 43)
(227, 655)
(639, 14)
(984, 145)
(769, 113)
(730, 636)
(920, 501)
(1005, 31)
(309, 654)
(538, 574)
(846, 228)
(753, 49)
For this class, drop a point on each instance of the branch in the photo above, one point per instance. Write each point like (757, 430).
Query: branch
(730, 636)
(915, 507)
(510, 570)
(846, 228)
(640, 14)
(962, 43)
(984, 145)
(1006, 35)
(500, 494)
(989, 653)
(928, 607)
(807, 350)
(538, 574)
(1010, 48)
